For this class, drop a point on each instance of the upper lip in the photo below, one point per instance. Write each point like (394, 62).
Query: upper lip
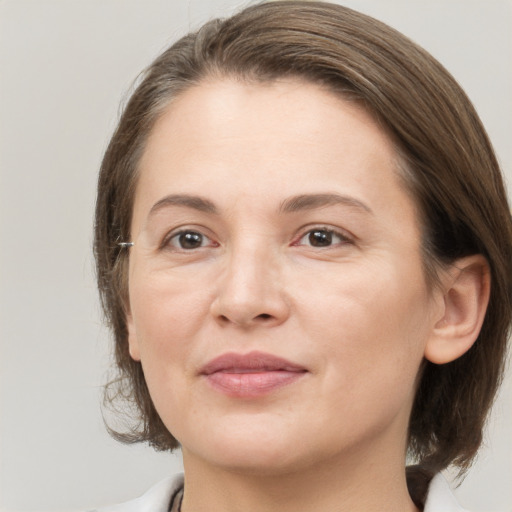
(255, 361)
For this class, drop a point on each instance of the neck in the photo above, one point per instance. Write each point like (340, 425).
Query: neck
(333, 486)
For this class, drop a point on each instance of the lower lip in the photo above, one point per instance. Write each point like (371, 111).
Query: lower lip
(252, 384)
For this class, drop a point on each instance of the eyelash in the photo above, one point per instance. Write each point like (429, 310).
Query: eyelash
(331, 233)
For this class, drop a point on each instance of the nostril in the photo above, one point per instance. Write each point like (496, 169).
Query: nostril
(251, 320)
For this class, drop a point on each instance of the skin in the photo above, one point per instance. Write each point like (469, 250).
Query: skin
(357, 314)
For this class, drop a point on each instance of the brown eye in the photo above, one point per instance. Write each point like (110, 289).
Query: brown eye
(188, 240)
(322, 238)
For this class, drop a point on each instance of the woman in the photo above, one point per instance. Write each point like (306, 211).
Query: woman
(303, 247)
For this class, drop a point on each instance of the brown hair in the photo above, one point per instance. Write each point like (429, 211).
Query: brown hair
(448, 164)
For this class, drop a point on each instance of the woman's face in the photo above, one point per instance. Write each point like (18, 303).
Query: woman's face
(277, 299)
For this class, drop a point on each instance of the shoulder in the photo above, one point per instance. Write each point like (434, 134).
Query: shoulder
(156, 499)
(440, 497)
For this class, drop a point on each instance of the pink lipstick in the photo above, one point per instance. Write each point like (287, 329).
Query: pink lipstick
(250, 375)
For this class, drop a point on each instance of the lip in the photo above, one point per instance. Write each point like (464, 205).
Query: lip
(250, 375)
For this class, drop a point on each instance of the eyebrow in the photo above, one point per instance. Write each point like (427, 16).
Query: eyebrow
(313, 201)
(194, 202)
(290, 205)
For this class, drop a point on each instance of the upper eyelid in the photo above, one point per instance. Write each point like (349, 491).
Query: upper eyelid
(180, 232)
(301, 232)
(342, 240)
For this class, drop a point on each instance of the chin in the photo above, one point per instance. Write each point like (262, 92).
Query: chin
(257, 451)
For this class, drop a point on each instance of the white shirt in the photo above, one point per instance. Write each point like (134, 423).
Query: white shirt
(158, 498)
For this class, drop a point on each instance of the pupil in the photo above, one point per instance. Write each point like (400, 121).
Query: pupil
(320, 238)
(191, 240)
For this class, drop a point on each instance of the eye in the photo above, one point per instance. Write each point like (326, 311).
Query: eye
(189, 240)
(322, 237)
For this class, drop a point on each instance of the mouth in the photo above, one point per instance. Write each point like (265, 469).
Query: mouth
(250, 375)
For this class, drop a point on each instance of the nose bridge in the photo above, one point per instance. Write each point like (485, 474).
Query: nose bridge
(252, 270)
(250, 288)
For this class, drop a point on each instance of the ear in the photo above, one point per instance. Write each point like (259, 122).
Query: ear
(133, 344)
(466, 288)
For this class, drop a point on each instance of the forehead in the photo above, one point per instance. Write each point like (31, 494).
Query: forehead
(229, 140)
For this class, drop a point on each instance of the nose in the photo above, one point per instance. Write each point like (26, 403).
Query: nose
(250, 290)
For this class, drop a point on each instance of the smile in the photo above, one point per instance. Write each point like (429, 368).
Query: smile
(250, 375)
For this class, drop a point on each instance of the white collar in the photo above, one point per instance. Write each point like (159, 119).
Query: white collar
(156, 499)
(440, 497)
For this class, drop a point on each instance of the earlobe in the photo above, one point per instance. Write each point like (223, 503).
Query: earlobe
(133, 345)
(466, 296)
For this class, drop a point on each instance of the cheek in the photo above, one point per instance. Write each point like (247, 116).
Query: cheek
(371, 322)
(162, 304)
(167, 314)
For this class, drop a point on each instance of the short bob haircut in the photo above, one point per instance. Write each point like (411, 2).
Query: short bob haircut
(446, 163)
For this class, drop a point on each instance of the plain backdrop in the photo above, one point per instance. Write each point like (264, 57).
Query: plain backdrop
(64, 67)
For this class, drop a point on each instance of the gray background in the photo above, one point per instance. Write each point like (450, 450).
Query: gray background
(64, 66)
